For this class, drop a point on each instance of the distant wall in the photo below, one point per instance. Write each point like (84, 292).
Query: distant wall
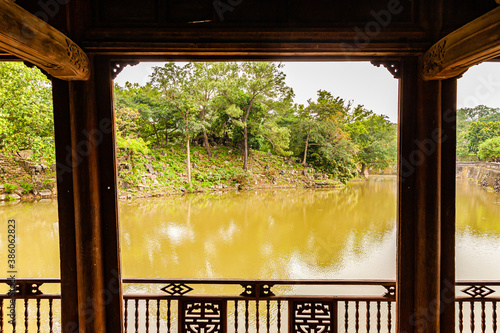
(485, 174)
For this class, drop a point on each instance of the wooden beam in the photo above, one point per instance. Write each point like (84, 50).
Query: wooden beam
(33, 40)
(470, 45)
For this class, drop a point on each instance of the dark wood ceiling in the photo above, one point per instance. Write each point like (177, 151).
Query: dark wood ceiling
(258, 29)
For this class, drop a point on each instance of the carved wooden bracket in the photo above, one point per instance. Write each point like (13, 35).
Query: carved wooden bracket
(470, 45)
(118, 66)
(33, 40)
(393, 66)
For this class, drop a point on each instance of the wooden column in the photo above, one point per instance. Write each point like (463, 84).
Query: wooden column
(66, 211)
(89, 215)
(426, 189)
(448, 200)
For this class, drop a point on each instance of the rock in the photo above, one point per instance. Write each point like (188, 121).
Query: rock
(45, 193)
(126, 166)
(282, 172)
(129, 196)
(3, 197)
(25, 153)
(149, 168)
(15, 196)
(155, 182)
(35, 169)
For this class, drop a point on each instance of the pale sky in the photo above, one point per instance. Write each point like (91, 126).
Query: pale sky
(361, 82)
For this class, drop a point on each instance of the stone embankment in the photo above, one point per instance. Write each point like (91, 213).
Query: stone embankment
(485, 174)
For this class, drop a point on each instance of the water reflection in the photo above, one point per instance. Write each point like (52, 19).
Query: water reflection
(298, 233)
(263, 234)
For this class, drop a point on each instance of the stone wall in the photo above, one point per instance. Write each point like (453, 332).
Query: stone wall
(485, 174)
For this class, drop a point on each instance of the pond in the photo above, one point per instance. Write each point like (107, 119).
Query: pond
(269, 234)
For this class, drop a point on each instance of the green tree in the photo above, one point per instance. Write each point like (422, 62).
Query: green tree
(376, 140)
(318, 136)
(26, 119)
(141, 112)
(177, 87)
(260, 86)
(206, 79)
(489, 150)
(325, 109)
(479, 132)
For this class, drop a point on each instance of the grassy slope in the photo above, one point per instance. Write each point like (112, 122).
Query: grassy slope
(222, 171)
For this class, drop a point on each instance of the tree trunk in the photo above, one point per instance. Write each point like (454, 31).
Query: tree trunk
(166, 134)
(304, 161)
(245, 148)
(363, 168)
(245, 135)
(156, 134)
(188, 154)
(205, 142)
(205, 136)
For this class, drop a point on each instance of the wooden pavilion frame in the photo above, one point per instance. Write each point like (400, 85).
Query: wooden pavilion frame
(83, 44)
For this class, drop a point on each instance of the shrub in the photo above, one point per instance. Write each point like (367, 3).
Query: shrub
(489, 150)
(10, 188)
(27, 187)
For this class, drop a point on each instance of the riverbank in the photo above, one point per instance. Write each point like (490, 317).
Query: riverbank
(162, 172)
(484, 174)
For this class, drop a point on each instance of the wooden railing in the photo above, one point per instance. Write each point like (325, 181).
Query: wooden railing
(189, 305)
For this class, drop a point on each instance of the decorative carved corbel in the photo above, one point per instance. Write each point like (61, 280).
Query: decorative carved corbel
(393, 66)
(118, 66)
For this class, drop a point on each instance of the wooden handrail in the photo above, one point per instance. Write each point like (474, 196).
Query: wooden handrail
(31, 39)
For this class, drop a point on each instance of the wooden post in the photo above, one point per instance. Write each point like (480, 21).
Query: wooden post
(426, 249)
(66, 211)
(448, 200)
(88, 141)
(405, 292)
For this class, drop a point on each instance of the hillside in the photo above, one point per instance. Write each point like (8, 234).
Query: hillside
(162, 172)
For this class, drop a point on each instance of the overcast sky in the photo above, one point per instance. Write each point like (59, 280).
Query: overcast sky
(361, 82)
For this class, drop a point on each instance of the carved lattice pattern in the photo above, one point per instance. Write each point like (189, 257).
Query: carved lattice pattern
(202, 316)
(313, 317)
(177, 289)
(478, 291)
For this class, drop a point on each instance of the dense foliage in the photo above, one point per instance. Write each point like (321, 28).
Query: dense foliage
(246, 107)
(489, 150)
(475, 128)
(26, 120)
